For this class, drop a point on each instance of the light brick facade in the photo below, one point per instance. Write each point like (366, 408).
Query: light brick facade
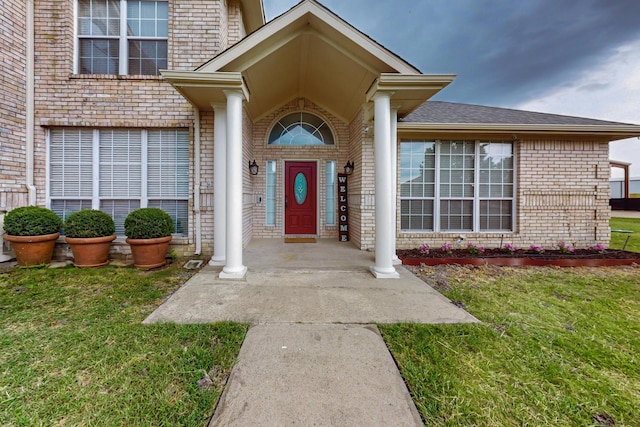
(66, 99)
(362, 183)
(13, 48)
(562, 194)
(562, 188)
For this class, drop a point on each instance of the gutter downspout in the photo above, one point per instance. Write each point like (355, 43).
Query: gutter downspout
(197, 182)
(30, 103)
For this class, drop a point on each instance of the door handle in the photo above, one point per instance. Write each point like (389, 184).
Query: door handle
(286, 203)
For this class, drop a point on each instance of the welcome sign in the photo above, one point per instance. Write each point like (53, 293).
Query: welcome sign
(343, 211)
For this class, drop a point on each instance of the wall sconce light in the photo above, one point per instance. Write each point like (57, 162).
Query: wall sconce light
(348, 168)
(253, 168)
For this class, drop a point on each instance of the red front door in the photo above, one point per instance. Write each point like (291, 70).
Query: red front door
(300, 198)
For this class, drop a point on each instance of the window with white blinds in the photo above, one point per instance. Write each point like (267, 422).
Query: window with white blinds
(119, 170)
(456, 186)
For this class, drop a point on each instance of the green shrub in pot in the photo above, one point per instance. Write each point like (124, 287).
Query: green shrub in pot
(148, 232)
(89, 234)
(32, 232)
(148, 223)
(31, 221)
(89, 223)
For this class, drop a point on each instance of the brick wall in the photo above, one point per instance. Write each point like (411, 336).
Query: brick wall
(235, 29)
(247, 179)
(197, 32)
(562, 194)
(12, 104)
(66, 99)
(206, 181)
(356, 136)
(362, 183)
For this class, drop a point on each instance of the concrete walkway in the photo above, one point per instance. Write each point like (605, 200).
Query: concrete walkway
(313, 355)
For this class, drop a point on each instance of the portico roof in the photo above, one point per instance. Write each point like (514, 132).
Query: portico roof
(308, 52)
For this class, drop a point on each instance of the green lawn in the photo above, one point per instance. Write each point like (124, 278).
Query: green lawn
(617, 239)
(73, 351)
(556, 347)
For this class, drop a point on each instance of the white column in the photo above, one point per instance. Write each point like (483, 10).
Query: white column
(219, 185)
(234, 269)
(394, 184)
(383, 268)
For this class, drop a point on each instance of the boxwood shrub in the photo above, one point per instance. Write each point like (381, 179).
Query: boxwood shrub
(89, 223)
(148, 223)
(31, 221)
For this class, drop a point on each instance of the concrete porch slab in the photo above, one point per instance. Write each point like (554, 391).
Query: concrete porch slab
(308, 296)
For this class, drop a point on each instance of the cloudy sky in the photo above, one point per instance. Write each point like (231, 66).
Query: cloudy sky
(574, 57)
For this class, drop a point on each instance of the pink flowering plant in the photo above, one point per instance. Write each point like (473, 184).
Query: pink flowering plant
(565, 248)
(475, 250)
(424, 249)
(447, 248)
(536, 249)
(598, 247)
(510, 249)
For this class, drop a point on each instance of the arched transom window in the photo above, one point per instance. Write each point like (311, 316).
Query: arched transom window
(301, 129)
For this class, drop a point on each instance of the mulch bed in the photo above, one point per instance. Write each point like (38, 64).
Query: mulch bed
(581, 257)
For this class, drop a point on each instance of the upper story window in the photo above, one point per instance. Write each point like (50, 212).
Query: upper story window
(122, 36)
(301, 129)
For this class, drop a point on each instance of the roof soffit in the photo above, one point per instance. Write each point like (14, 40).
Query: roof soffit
(312, 53)
(204, 89)
(307, 14)
(408, 91)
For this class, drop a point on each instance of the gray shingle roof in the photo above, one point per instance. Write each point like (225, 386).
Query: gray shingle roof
(451, 112)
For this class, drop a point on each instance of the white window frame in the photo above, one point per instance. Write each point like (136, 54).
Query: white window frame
(271, 194)
(331, 199)
(95, 197)
(123, 39)
(317, 123)
(477, 199)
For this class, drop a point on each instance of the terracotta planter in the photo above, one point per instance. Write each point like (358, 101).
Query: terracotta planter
(33, 250)
(149, 253)
(90, 252)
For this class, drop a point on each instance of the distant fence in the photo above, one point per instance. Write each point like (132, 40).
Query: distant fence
(625, 204)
